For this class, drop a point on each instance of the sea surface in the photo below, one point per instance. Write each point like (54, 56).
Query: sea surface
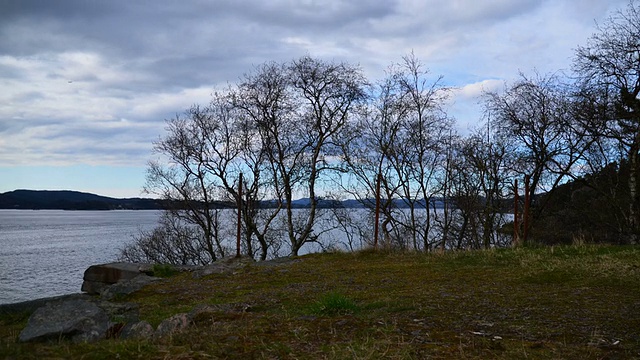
(44, 253)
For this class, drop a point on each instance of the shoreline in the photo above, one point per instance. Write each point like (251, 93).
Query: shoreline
(32, 305)
(221, 265)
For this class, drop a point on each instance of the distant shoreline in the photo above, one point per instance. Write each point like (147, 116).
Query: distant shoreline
(75, 200)
(23, 209)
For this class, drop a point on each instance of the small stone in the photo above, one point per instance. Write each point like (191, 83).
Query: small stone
(228, 264)
(138, 330)
(307, 317)
(172, 325)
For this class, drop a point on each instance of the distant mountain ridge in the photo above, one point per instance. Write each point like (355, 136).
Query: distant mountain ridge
(76, 200)
(71, 200)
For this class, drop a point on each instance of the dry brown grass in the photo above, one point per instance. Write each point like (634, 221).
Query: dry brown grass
(547, 303)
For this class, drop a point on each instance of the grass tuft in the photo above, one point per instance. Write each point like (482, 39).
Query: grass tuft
(334, 303)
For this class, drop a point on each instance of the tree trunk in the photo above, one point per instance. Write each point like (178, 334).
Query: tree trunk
(634, 206)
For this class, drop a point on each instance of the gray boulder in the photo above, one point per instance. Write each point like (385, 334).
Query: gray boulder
(76, 319)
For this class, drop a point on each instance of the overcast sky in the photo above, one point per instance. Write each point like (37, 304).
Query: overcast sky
(85, 85)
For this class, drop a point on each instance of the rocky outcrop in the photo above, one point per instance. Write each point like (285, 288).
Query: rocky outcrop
(79, 319)
(202, 314)
(89, 320)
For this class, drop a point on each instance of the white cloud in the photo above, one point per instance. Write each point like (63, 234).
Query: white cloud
(475, 90)
(169, 103)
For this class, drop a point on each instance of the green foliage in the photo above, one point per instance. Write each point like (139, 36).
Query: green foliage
(592, 209)
(164, 270)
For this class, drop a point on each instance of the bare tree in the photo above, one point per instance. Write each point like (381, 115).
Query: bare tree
(172, 242)
(327, 94)
(427, 145)
(186, 181)
(205, 151)
(609, 70)
(483, 172)
(298, 110)
(535, 114)
(400, 136)
(369, 145)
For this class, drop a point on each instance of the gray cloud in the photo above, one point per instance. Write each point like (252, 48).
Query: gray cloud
(87, 81)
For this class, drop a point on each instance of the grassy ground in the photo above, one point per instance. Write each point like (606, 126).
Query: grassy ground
(546, 303)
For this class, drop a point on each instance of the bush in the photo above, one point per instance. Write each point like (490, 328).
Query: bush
(172, 242)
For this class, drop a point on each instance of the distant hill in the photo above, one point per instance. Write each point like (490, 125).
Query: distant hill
(71, 200)
(75, 200)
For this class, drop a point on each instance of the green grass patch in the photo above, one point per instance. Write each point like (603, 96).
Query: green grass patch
(164, 270)
(334, 303)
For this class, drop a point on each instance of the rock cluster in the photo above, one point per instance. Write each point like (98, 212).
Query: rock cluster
(88, 318)
(85, 318)
(182, 321)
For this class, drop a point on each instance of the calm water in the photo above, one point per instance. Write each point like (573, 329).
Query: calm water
(45, 253)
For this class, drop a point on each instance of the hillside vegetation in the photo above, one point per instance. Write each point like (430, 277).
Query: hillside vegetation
(534, 303)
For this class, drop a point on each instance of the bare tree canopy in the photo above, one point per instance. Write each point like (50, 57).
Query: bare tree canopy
(316, 132)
